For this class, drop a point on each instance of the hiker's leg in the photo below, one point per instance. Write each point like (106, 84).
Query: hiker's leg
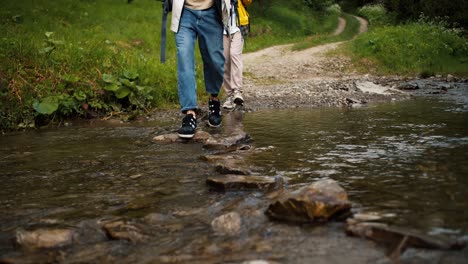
(210, 40)
(227, 65)
(185, 43)
(237, 66)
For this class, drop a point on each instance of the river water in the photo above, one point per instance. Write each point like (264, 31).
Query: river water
(407, 161)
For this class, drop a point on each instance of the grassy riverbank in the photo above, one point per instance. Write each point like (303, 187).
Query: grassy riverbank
(88, 58)
(424, 47)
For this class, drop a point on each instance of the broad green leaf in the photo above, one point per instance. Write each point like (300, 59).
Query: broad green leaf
(70, 78)
(56, 42)
(49, 34)
(112, 87)
(108, 78)
(127, 83)
(46, 50)
(47, 106)
(122, 92)
(131, 75)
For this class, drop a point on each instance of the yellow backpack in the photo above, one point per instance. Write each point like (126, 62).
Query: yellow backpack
(243, 15)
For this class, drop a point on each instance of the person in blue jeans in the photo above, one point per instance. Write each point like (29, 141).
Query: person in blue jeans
(201, 20)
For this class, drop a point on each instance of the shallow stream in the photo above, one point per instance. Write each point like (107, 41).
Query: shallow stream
(405, 160)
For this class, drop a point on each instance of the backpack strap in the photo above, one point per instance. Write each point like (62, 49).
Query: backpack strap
(167, 7)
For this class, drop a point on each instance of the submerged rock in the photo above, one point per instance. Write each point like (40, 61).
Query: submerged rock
(232, 166)
(398, 238)
(219, 158)
(44, 238)
(227, 224)
(125, 230)
(229, 143)
(239, 182)
(318, 202)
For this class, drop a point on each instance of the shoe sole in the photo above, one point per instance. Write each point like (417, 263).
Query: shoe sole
(211, 125)
(239, 101)
(185, 135)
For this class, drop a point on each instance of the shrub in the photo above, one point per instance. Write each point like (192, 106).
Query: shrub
(415, 47)
(376, 14)
(334, 9)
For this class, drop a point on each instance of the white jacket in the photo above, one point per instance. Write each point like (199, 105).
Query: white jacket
(178, 5)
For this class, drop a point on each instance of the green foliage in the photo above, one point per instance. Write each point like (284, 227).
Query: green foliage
(334, 9)
(53, 53)
(455, 10)
(271, 23)
(415, 48)
(88, 58)
(376, 14)
(319, 5)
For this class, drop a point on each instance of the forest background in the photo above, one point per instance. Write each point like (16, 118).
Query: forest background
(98, 58)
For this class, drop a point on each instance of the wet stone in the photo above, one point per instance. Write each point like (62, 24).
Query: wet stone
(156, 218)
(200, 136)
(231, 182)
(125, 230)
(43, 238)
(399, 237)
(370, 87)
(232, 166)
(227, 224)
(227, 143)
(363, 217)
(321, 201)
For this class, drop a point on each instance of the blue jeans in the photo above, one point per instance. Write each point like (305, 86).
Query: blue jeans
(204, 25)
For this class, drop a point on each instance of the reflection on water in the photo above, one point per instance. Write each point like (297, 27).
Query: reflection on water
(89, 172)
(406, 159)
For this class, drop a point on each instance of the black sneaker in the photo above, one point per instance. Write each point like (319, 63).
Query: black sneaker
(214, 115)
(189, 125)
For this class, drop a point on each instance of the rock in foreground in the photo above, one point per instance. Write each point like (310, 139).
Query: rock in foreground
(42, 238)
(318, 202)
(400, 238)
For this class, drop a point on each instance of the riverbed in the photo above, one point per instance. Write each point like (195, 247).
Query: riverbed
(405, 161)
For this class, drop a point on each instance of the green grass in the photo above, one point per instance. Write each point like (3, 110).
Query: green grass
(415, 48)
(55, 56)
(286, 23)
(351, 30)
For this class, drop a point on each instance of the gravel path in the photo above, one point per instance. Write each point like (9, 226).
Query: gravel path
(278, 77)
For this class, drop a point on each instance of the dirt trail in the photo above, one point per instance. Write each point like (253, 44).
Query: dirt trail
(279, 77)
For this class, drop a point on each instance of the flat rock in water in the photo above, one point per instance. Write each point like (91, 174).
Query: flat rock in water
(240, 182)
(232, 166)
(317, 202)
(125, 230)
(399, 237)
(227, 143)
(43, 238)
(200, 137)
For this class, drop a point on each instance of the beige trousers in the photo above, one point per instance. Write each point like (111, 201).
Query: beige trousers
(233, 65)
